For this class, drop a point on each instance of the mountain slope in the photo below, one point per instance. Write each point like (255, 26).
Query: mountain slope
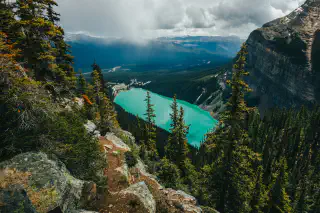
(283, 59)
(162, 53)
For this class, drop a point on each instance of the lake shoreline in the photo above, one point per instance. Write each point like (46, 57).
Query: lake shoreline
(201, 121)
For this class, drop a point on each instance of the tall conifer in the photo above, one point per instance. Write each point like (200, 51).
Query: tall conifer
(82, 84)
(150, 128)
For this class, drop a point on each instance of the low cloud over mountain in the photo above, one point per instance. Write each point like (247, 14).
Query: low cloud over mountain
(134, 19)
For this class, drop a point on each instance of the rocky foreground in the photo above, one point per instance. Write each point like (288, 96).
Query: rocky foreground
(35, 182)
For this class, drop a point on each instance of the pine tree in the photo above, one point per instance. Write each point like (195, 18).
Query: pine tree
(8, 23)
(182, 130)
(171, 147)
(96, 87)
(177, 148)
(259, 195)
(41, 40)
(279, 200)
(96, 67)
(34, 42)
(82, 84)
(108, 120)
(150, 129)
(233, 160)
(51, 14)
(174, 114)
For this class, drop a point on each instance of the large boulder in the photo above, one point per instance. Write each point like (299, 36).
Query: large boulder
(141, 191)
(45, 182)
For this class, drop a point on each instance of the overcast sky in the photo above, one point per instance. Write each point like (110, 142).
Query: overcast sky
(134, 19)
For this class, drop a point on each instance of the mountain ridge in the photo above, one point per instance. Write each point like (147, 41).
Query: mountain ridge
(282, 59)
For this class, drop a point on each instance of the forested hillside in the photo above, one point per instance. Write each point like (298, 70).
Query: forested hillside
(249, 164)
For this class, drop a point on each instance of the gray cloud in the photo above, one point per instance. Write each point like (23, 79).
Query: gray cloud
(134, 19)
(199, 18)
(239, 12)
(168, 14)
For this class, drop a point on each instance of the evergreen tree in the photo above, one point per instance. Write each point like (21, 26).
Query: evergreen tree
(174, 114)
(181, 131)
(96, 67)
(150, 129)
(171, 147)
(82, 84)
(108, 116)
(259, 193)
(279, 199)
(168, 173)
(51, 14)
(96, 87)
(41, 40)
(8, 23)
(234, 162)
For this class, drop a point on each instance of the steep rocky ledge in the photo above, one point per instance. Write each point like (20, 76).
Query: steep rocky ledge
(134, 189)
(34, 182)
(284, 59)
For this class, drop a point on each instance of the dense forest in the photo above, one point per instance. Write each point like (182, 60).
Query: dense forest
(248, 164)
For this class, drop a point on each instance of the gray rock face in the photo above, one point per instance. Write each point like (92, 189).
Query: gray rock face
(91, 129)
(46, 173)
(283, 58)
(117, 142)
(142, 192)
(186, 202)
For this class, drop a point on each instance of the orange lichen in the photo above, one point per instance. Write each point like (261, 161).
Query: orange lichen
(86, 99)
(42, 199)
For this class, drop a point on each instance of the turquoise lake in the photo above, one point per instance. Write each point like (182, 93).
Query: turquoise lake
(200, 121)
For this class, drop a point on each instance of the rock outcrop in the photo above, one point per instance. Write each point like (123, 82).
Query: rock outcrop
(92, 129)
(284, 59)
(144, 195)
(33, 182)
(134, 189)
(36, 183)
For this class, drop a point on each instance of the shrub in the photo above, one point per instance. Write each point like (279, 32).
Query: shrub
(81, 153)
(131, 159)
(168, 173)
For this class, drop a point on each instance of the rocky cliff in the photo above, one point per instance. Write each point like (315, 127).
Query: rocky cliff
(284, 59)
(35, 182)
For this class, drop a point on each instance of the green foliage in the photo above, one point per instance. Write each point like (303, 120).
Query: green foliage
(230, 177)
(108, 117)
(67, 138)
(131, 159)
(82, 84)
(279, 200)
(177, 148)
(32, 121)
(190, 177)
(42, 44)
(98, 75)
(168, 173)
(150, 130)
